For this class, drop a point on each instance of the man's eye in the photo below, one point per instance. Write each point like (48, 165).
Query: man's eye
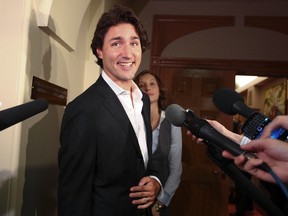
(134, 43)
(116, 44)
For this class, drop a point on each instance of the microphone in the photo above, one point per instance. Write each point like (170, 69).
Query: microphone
(14, 115)
(201, 128)
(231, 102)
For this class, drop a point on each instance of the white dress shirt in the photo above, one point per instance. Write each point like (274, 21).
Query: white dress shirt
(133, 104)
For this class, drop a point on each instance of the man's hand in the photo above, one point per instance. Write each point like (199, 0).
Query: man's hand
(145, 193)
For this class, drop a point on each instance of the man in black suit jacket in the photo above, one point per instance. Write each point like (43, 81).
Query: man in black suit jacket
(104, 156)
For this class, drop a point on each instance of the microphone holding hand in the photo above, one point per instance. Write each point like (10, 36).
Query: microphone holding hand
(255, 123)
(202, 129)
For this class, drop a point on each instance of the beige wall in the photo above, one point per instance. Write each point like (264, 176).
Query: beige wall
(11, 89)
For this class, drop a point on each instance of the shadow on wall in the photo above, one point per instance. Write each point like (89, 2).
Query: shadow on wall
(4, 190)
(41, 170)
(38, 164)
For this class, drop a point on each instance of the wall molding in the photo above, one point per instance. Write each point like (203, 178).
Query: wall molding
(278, 24)
(241, 67)
(61, 23)
(167, 28)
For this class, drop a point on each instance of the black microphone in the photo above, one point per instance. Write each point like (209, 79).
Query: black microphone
(201, 128)
(14, 115)
(231, 102)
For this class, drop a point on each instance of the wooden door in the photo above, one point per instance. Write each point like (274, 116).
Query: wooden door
(204, 188)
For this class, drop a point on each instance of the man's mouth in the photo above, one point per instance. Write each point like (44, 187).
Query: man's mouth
(126, 64)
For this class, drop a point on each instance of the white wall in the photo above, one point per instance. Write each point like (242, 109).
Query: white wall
(12, 84)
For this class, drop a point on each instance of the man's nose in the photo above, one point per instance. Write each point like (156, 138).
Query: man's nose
(127, 51)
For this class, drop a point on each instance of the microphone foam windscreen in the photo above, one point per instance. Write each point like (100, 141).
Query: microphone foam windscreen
(175, 114)
(225, 98)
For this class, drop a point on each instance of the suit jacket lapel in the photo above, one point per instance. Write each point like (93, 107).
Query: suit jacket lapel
(116, 109)
(146, 117)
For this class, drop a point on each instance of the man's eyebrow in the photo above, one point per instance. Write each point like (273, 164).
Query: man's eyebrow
(115, 38)
(118, 38)
(135, 38)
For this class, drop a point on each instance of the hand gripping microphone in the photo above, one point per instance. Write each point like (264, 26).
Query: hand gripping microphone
(14, 115)
(230, 102)
(201, 128)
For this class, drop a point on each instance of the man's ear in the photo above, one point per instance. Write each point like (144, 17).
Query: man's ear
(99, 53)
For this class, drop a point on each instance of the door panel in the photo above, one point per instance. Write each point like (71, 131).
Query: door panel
(204, 188)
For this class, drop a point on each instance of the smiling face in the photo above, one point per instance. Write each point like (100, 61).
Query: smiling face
(121, 54)
(149, 85)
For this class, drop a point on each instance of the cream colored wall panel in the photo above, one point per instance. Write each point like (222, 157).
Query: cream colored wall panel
(60, 19)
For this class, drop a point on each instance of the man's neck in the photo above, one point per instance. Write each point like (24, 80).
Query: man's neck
(126, 85)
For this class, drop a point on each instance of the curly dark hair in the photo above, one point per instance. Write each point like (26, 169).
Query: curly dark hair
(117, 15)
(162, 101)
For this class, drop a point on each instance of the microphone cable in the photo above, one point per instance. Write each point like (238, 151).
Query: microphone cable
(228, 166)
(269, 170)
(279, 183)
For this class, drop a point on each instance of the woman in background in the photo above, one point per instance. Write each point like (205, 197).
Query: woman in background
(167, 139)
